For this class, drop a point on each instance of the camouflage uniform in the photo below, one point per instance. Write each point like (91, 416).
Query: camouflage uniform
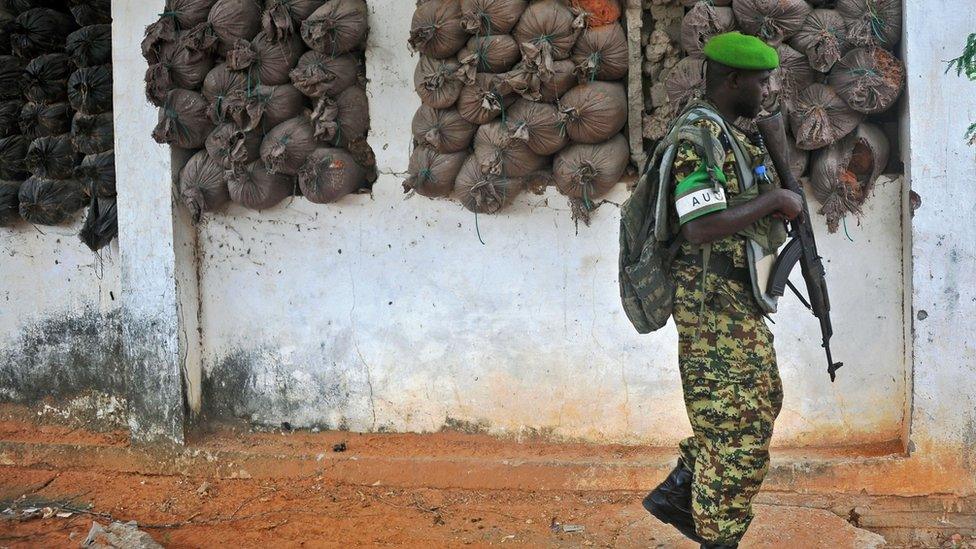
(731, 383)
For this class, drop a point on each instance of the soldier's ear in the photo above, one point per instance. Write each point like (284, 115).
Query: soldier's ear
(733, 80)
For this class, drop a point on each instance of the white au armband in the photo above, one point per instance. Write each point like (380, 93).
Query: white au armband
(699, 202)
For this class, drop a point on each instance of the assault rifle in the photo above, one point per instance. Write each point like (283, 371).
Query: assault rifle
(802, 247)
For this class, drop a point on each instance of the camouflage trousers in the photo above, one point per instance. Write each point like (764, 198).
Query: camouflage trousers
(732, 393)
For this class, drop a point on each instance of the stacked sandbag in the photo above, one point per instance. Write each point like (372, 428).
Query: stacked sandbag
(506, 87)
(838, 70)
(255, 87)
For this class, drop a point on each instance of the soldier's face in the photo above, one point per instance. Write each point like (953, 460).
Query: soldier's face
(753, 89)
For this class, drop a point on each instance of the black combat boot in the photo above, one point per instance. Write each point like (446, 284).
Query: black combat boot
(670, 502)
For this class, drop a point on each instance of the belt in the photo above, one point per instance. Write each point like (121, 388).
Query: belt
(720, 265)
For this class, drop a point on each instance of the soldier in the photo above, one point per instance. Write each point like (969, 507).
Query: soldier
(721, 205)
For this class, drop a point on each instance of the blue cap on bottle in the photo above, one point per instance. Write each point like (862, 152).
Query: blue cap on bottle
(760, 170)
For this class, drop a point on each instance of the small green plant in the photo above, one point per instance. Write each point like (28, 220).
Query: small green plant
(965, 64)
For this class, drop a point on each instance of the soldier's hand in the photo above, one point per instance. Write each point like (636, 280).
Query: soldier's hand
(789, 205)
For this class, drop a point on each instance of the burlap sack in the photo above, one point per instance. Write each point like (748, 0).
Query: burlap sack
(264, 60)
(101, 224)
(232, 148)
(97, 172)
(330, 174)
(484, 193)
(703, 22)
(597, 13)
(13, 151)
(91, 12)
(438, 82)
(551, 28)
(317, 74)
(823, 39)
(253, 187)
(11, 73)
(10, 117)
(45, 78)
(342, 119)
(6, 23)
(203, 185)
(10, 203)
(485, 100)
(90, 89)
(488, 17)
(432, 173)
(337, 27)
(282, 19)
(844, 174)
(872, 22)
(869, 79)
(793, 76)
(820, 117)
(50, 201)
(183, 120)
(436, 30)
(601, 54)
(500, 154)
(219, 86)
(594, 112)
(265, 107)
(90, 46)
(228, 22)
(38, 31)
(37, 120)
(286, 147)
(443, 130)
(775, 21)
(587, 172)
(177, 67)
(685, 81)
(178, 15)
(52, 157)
(538, 125)
(92, 134)
(493, 54)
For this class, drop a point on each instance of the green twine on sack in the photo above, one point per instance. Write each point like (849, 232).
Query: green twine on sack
(477, 229)
(847, 234)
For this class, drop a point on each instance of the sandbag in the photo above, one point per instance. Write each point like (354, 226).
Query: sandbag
(219, 86)
(597, 13)
(819, 117)
(775, 21)
(10, 203)
(330, 174)
(438, 82)
(495, 53)
(177, 16)
(253, 187)
(16, 7)
(685, 81)
(485, 100)
(232, 148)
(498, 153)
(6, 24)
(203, 185)
(337, 27)
(587, 172)
(282, 19)
(539, 83)
(286, 147)
(799, 158)
(793, 76)
(177, 66)
(436, 31)
(594, 112)
(101, 224)
(97, 172)
(843, 174)
(432, 173)
(10, 117)
(538, 125)
(233, 20)
(265, 60)
(90, 46)
(703, 22)
(183, 120)
(549, 26)
(487, 17)
(443, 130)
(869, 79)
(91, 12)
(52, 157)
(484, 193)
(37, 120)
(50, 201)
(45, 78)
(13, 151)
(601, 54)
(11, 73)
(266, 106)
(92, 133)
(317, 74)
(90, 89)
(823, 39)
(872, 22)
(342, 119)
(40, 30)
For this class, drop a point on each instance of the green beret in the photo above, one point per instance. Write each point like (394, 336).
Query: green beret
(740, 51)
